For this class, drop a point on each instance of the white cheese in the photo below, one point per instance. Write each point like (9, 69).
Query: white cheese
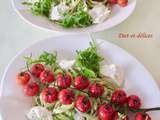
(113, 71)
(57, 11)
(99, 13)
(39, 113)
(83, 116)
(78, 117)
(66, 64)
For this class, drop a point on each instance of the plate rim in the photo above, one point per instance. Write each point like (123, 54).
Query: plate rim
(56, 37)
(68, 31)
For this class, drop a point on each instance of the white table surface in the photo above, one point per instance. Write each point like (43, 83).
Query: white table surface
(15, 34)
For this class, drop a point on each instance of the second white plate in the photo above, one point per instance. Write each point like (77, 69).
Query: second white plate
(138, 79)
(119, 14)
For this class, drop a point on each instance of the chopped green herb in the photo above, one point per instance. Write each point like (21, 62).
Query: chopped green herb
(89, 61)
(46, 58)
(42, 7)
(76, 17)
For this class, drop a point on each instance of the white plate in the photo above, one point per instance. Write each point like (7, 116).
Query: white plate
(138, 79)
(119, 14)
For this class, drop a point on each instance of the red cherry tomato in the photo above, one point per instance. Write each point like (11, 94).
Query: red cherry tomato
(83, 104)
(37, 69)
(66, 96)
(31, 89)
(46, 77)
(134, 102)
(23, 78)
(119, 97)
(113, 2)
(105, 112)
(49, 95)
(64, 81)
(142, 116)
(123, 3)
(81, 82)
(96, 90)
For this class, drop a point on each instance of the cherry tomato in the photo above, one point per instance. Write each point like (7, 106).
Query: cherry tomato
(119, 97)
(46, 77)
(96, 90)
(105, 112)
(81, 82)
(123, 3)
(142, 116)
(37, 69)
(134, 102)
(66, 96)
(49, 95)
(64, 81)
(113, 2)
(83, 104)
(23, 78)
(31, 89)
